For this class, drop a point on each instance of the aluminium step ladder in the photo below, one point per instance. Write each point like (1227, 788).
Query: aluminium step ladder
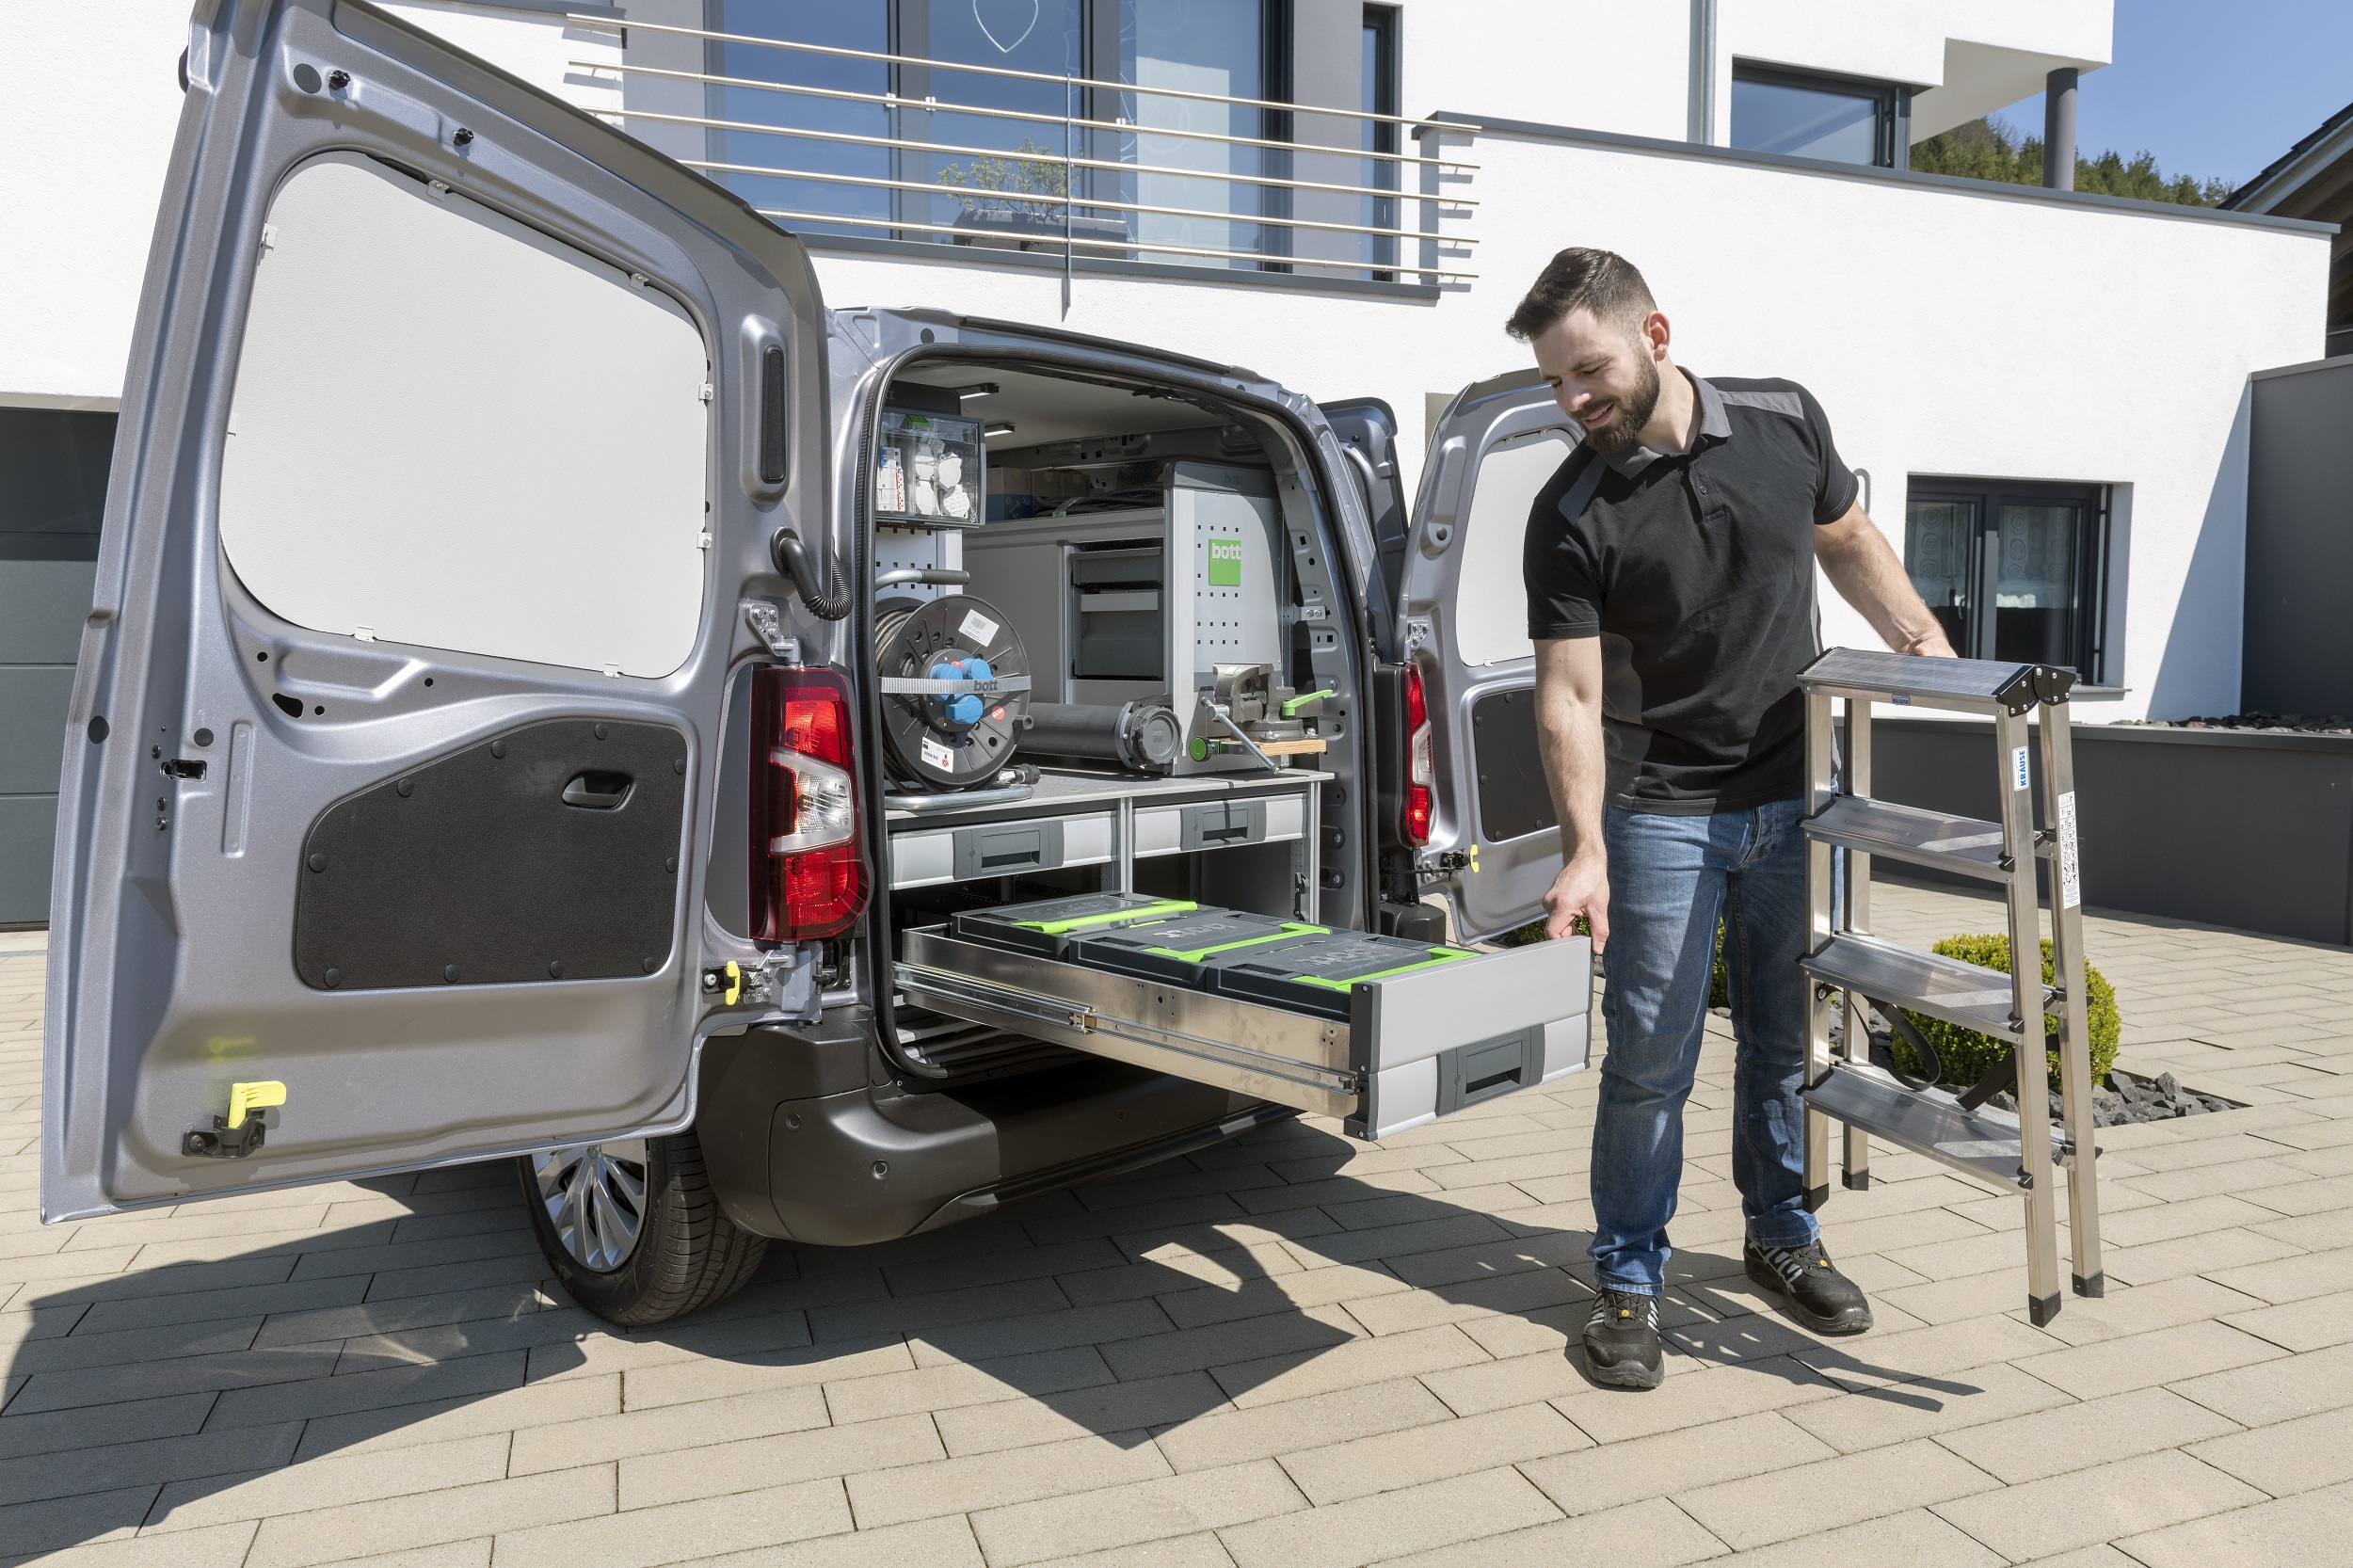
(2021, 1153)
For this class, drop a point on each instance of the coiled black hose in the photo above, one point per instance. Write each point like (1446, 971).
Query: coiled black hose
(832, 601)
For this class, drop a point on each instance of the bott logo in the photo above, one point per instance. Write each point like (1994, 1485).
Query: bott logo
(1224, 563)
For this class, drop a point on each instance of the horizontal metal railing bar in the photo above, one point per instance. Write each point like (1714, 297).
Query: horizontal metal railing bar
(1148, 245)
(838, 51)
(877, 183)
(892, 100)
(1379, 192)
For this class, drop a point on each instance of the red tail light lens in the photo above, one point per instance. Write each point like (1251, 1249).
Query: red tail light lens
(809, 879)
(1420, 768)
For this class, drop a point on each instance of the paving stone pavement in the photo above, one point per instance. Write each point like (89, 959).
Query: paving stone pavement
(1288, 1352)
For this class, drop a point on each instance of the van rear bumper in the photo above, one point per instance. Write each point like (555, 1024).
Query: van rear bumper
(807, 1139)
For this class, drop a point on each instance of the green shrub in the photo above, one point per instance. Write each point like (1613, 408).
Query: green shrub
(1968, 1055)
(1719, 983)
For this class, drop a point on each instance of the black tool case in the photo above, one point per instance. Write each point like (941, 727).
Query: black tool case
(1049, 926)
(1179, 948)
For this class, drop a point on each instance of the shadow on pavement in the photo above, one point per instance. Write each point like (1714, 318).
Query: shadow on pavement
(1148, 1308)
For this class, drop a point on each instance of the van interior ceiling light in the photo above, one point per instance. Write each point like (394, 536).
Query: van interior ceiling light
(955, 689)
(1420, 768)
(809, 876)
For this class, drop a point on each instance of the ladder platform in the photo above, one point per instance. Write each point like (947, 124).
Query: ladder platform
(1927, 982)
(1968, 685)
(1984, 1143)
(1964, 845)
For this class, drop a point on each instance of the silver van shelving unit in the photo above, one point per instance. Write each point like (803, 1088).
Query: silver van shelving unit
(1073, 819)
(2021, 1153)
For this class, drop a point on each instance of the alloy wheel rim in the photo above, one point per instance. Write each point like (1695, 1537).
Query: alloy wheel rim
(595, 1197)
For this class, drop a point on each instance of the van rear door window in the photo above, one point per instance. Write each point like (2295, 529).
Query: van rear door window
(453, 431)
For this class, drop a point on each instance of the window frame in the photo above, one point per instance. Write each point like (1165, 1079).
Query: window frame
(2094, 553)
(1891, 122)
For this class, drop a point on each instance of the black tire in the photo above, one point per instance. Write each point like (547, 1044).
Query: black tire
(689, 1254)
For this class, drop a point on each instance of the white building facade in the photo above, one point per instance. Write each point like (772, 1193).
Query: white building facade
(2048, 392)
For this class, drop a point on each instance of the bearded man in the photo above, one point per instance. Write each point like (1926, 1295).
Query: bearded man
(1670, 570)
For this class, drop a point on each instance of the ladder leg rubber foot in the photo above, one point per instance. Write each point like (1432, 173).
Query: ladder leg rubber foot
(1816, 1196)
(1857, 1181)
(2041, 1309)
(2096, 1285)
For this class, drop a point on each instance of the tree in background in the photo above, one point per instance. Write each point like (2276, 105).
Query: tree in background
(1992, 149)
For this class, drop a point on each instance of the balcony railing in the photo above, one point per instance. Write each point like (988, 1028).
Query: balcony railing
(1121, 170)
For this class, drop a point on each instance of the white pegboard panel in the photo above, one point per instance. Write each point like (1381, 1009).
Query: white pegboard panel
(899, 548)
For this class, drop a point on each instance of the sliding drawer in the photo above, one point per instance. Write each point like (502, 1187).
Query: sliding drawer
(1415, 1046)
(1220, 823)
(965, 852)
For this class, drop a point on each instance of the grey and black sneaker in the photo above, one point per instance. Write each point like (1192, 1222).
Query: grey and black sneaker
(1819, 1296)
(1621, 1348)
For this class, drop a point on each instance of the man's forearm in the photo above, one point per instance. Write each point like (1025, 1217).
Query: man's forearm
(1569, 735)
(1864, 569)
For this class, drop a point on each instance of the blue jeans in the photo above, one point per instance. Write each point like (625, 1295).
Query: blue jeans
(1669, 879)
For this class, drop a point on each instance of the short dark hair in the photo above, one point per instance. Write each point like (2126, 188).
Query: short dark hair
(1601, 281)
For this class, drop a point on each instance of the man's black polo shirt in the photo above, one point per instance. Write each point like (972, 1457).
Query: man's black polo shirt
(1696, 570)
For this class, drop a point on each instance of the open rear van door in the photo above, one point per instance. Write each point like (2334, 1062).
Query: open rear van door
(455, 423)
(1493, 841)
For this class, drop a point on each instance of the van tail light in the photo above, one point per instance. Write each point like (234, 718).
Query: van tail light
(1420, 769)
(809, 876)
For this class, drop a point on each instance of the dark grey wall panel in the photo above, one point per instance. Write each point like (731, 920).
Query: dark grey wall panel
(2253, 831)
(42, 607)
(32, 726)
(28, 829)
(2298, 641)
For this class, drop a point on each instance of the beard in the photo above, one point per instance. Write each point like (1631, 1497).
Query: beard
(1633, 412)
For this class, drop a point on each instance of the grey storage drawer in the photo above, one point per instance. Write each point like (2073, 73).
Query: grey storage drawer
(1416, 1046)
(1220, 823)
(969, 852)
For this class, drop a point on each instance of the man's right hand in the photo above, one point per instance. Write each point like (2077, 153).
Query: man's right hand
(1581, 889)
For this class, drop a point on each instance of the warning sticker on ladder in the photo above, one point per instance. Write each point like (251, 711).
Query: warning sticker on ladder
(2071, 879)
(2017, 768)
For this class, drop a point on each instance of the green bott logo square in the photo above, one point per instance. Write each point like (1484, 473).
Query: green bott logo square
(1224, 563)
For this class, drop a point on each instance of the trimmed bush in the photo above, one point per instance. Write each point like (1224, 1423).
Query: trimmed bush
(1968, 1055)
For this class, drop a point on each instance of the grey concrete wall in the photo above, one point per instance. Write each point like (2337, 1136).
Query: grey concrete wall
(2299, 649)
(2224, 828)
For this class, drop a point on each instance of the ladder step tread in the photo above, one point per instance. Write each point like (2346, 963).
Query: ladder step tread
(1969, 683)
(1929, 982)
(1965, 844)
(1929, 1122)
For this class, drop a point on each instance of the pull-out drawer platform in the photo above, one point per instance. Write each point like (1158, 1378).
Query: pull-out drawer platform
(1416, 1043)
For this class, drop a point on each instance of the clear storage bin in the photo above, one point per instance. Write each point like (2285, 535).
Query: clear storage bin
(930, 471)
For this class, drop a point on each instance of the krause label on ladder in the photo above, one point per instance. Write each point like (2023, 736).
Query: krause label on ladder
(2070, 878)
(2017, 768)
(1224, 563)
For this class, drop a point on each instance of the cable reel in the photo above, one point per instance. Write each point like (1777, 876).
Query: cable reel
(955, 689)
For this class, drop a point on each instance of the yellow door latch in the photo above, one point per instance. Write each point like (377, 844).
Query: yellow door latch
(241, 1131)
(726, 982)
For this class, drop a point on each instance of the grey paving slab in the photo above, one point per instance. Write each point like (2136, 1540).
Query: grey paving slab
(1289, 1350)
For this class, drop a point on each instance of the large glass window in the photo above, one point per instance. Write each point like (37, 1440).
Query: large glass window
(1380, 96)
(955, 151)
(1841, 119)
(2013, 571)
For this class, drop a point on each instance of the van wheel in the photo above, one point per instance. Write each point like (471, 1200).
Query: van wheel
(634, 1230)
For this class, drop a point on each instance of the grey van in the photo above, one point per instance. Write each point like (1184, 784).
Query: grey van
(489, 740)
